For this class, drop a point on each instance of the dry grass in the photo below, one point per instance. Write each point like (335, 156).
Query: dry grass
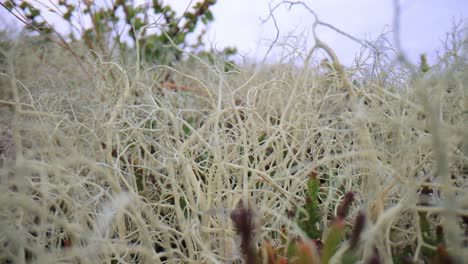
(117, 169)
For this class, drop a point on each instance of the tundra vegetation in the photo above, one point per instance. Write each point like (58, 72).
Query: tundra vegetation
(160, 152)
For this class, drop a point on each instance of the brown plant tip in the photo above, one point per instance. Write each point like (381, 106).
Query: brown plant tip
(443, 255)
(374, 258)
(439, 230)
(290, 213)
(337, 222)
(318, 244)
(306, 251)
(359, 225)
(270, 253)
(66, 243)
(242, 217)
(426, 190)
(313, 174)
(465, 219)
(343, 208)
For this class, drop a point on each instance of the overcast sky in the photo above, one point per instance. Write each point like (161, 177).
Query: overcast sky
(424, 23)
(238, 23)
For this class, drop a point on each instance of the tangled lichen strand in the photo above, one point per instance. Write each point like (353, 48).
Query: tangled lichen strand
(185, 159)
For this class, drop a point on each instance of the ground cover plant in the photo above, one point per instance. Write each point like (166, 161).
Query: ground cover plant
(308, 162)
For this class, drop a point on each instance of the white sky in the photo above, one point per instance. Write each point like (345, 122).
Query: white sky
(424, 23)
(238, 23)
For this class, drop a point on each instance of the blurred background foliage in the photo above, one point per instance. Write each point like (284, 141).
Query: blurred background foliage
(110, 28)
